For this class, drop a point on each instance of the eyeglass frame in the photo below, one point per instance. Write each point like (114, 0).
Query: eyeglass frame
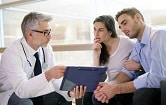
(43, 32)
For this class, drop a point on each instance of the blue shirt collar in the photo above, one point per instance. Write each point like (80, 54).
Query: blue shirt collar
(145, 37)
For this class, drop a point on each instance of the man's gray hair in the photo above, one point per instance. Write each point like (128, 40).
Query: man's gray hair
(32, 19)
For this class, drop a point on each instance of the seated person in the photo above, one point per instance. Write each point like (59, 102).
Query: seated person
(28, 75)
(149, 50)
(110, 50)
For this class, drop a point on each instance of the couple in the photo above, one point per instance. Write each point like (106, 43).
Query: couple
(128, 87)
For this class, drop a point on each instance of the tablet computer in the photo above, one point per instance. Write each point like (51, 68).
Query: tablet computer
(82, 76)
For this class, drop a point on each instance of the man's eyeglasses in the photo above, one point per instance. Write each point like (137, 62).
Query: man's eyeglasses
(46, 32)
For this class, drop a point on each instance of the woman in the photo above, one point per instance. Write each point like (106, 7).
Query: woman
(109, 50)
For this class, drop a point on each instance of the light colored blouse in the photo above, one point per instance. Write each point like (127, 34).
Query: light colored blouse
(116, 60)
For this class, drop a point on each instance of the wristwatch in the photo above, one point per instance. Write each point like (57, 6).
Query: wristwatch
(68, 93)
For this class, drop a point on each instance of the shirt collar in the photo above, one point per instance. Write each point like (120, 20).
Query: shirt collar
(145, 37)
(26, 45)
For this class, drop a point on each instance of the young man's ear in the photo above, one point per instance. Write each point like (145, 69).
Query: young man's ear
(138, 17)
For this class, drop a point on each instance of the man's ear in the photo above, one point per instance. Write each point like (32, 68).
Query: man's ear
(138, 17)
(29, 33)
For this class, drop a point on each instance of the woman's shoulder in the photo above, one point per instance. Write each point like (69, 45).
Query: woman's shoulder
(126, 42)
(123, 37)
(126, 39)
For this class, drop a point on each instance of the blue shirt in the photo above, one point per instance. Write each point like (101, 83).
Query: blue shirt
(150, 52)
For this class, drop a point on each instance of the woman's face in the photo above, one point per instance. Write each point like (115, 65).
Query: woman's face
(101, 34)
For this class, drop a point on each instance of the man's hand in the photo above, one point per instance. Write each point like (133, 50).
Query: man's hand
(132, 65)
(78, 92)
(55, 72)
(105, 91)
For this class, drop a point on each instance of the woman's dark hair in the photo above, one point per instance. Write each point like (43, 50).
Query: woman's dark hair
(109, 22)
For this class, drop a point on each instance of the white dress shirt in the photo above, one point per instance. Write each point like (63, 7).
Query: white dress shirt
(16, 72)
